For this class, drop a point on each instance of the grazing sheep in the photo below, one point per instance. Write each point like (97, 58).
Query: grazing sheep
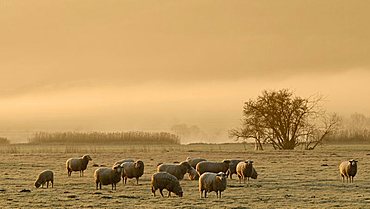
(245, 169)
(348, 169)
(132, 170)
(105, 176)
(194, 161)
(232, 168)
(123, 161)
(77, 164)
(193, 174)
(178, 170)
(45, 177)
(209, 182)
(213, 167)
(164, 180)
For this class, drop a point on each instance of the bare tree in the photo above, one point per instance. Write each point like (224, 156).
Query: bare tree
(281, 119)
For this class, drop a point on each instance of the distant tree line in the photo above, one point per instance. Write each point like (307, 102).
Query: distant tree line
(355, 129)
(137, 137)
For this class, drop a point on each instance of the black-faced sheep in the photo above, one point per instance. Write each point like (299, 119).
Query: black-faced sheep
(209, 182)
(213, 167)
(232, 168)
(105, 176)
(77, 164)
(164, 180)
(45, 177)
(132, 170)
(348, 169)
(178, 170)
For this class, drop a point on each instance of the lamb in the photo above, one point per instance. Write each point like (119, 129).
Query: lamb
(245, 170)
(194, 161)
(348, 169)
(132, 170)
(45, 177)
(232, 168)
(123, 161)
(77, 164)
(105, 176)
(193, 174)
(209, 182)
(164, 180)
(214, 167)
(178, 170)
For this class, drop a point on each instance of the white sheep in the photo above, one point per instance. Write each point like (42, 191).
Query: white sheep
(209, 182)
(348, 169)
(105, 176)
(245, 170)
(132, 170)
(44, 177)
(178, 170)
(164, 180)
(194, 161)
(213, 167)
(77, 164)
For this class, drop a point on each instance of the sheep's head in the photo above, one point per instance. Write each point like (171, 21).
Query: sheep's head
(139, 164)
(178, 191)
(221, 177)
(353, 162)
(117, 168)
(249, 162)
(37, 184)
(86, 157)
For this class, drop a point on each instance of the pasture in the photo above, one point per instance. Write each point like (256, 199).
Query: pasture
(287, 179)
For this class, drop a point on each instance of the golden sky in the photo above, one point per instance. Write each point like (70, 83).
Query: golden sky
(146, 65)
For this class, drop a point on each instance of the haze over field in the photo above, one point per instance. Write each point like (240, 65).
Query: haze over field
(148, 65)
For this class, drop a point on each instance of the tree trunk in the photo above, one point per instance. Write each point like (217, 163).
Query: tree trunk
(258, 145)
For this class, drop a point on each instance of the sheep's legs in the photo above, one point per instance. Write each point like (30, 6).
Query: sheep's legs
(169, 194)
(153, 191)
(47, 184)
(137, 180)
(161, 191)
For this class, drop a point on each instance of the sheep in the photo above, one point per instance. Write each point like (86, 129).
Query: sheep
(245, 170)
(105, 176)
(178, 170)
(164, 180)
(77, 164)
(132, 170)
(123, 161)
(214, 167)
(193, 174)
(209, 182)
(232, 168)
(44, 177)
(194, 161)
(348, 169)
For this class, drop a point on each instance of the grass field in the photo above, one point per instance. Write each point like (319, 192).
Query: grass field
(287, 179)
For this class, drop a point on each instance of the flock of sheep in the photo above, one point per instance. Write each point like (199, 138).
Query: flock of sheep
(211, 175)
